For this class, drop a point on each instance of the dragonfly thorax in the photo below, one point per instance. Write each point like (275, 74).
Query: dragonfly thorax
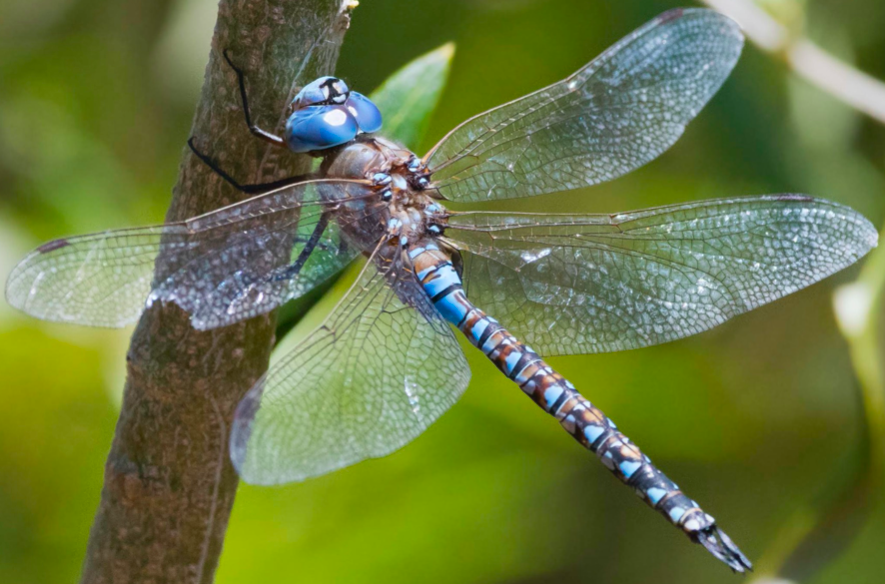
(411, 211)
(365, 157)
(414, 215)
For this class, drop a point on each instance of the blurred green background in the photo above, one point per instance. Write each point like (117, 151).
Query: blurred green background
(761, 420)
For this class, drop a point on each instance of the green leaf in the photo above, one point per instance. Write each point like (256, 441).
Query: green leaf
(408, 98)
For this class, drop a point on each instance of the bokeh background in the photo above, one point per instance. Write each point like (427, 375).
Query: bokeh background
(769, 421)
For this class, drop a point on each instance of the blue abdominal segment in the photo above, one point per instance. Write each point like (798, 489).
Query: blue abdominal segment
(559, 398)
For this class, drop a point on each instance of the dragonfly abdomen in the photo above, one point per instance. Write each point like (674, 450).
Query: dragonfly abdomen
(558, 397)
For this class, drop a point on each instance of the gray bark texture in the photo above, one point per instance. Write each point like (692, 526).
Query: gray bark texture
(169, 485)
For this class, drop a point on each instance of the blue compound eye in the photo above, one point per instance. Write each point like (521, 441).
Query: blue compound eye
(322, 91)
(320, 127)
(366, 113)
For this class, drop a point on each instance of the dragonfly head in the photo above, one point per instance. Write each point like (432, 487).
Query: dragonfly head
(322, 91)
(325, 114)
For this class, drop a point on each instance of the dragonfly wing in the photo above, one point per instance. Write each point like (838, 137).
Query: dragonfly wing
(621, 110)
(221, 267)
(373, 377)
(596, 283)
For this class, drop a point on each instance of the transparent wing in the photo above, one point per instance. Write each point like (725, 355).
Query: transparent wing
(620, 111)
(374, 376)
(595, 283)
(221, 267)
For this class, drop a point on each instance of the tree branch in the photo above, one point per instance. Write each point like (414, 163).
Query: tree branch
(169, 485)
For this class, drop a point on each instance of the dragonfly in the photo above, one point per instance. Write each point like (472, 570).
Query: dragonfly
(385, 364)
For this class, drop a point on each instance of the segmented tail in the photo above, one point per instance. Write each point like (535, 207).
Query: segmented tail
(558, 397)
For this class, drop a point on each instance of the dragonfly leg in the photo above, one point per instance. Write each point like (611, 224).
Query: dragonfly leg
(263, 134)
(311, 244)
(559, 398)
(251, 189)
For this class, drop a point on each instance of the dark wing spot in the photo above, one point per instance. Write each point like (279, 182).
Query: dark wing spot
(794, 197)
(670, 15)
(53, 245)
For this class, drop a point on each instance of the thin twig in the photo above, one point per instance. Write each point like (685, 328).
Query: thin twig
(821, 530)
(844, 82)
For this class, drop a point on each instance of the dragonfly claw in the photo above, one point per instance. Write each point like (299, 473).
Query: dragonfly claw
(721, 546)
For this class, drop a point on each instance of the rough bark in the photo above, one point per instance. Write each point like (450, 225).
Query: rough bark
(169, 485)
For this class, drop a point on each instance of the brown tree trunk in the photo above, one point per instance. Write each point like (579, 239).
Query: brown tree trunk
(169, 484)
